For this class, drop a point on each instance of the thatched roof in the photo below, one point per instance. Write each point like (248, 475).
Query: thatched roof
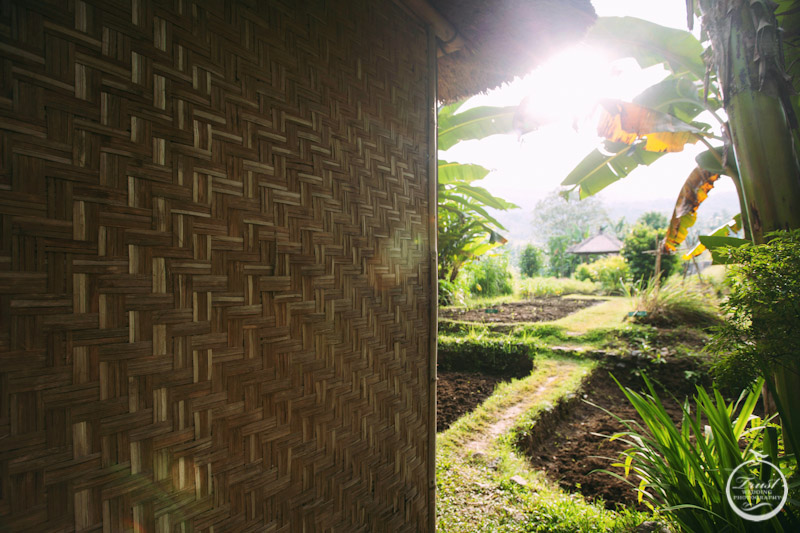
(602, 243)
(503, 39)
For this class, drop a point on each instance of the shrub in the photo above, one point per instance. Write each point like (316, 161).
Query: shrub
(610, 272)
(502, 356)
(490, 277)
(531, 261)
(762, 331)
(639, 252)
(448, 292)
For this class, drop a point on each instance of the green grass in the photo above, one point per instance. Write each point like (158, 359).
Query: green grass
(476, 492)
(609, 314)
(538, 287)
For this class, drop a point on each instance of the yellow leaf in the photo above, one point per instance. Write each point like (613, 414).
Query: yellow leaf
(693, 193)
(642, 485)
(668, 141)
(626, 122)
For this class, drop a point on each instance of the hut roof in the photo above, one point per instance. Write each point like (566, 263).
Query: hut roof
(602, 243)
(492, 41)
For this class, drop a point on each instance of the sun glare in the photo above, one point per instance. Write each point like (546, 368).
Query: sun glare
(569, 85)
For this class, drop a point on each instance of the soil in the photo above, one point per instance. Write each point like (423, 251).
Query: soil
(570, 449)
(568, 445)
(533, 310)
(458, 393)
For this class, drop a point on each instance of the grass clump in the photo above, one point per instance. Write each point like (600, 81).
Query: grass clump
(674, 303)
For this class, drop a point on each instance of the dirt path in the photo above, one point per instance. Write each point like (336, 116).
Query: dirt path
(507, 418)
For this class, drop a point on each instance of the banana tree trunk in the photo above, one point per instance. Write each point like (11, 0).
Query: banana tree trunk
(749, 63)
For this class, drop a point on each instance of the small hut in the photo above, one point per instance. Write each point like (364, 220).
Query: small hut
(596, 245)
(217, 255)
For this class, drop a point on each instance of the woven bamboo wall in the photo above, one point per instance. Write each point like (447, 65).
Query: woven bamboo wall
(214, 266)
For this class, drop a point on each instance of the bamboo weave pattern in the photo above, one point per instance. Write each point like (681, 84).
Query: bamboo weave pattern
(213, 266)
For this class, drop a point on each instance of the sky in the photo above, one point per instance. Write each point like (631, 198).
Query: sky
(524, 169)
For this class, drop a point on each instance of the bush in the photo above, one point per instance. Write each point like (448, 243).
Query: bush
(610, 272)
(448, 292)
(762, 331)
(763, 327)
(500, 356)
(531, 261)
(639, 252)
(490, 277)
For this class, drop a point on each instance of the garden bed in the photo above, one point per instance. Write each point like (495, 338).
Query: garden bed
(565, 443)
(533, 310)
(458, 393)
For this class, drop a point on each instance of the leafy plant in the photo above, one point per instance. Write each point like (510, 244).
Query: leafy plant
(610, 272)
(683, 469)
(762, 331)
(466, 229)
(531, 261)
(490, 276)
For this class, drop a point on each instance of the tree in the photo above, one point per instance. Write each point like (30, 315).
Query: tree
(639, 250)
(531, 261)
(561, 263)
(466, 229)
(653, 219)
(561, 220)
(559, 214)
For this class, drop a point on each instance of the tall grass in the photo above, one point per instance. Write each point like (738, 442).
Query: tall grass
(673, 303)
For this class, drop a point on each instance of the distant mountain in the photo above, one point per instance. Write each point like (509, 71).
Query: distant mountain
(519, 225)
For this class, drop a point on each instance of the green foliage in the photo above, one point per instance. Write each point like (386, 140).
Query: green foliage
(561, 221)
(466, 229)
(448, 292)
(562, 263)
(541, 287)
(490, 354)
(610, 272)
(683, 469)
(762, 329)
(653, 219)
(490, 276)
(639, 249)
(531, 261)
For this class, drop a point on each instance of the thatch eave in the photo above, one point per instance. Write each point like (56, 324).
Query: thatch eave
(484, 44)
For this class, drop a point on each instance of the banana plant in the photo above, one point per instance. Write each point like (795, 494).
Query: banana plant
(743, 73)
(466, 228)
